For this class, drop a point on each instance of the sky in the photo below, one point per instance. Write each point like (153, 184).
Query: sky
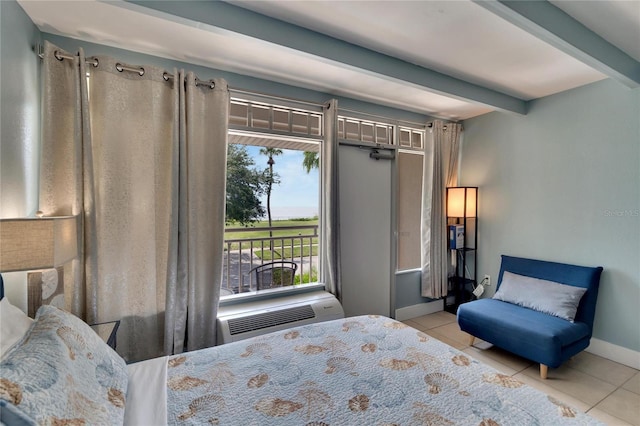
(298, 192)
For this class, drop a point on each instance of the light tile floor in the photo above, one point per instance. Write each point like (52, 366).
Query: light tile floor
(608, 391)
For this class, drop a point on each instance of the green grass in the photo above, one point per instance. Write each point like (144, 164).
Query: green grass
(257, 232)
(286, 253)
(265, 224)
(307, 277)
(305, 219)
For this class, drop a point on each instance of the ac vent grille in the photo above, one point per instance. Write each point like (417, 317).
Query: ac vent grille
(270, 319)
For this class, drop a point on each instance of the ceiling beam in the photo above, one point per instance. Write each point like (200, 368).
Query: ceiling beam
(220, 15)
(555, 27)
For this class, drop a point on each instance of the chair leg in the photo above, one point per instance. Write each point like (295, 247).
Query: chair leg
(471, 339)
(543, 371)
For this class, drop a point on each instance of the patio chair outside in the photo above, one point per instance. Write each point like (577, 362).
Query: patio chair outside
(274, 274)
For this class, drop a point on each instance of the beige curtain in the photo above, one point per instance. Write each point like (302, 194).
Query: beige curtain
(134, 174)
(154, 164)
(440, 171)
(330, 217)
(64, 106)
(204, 130)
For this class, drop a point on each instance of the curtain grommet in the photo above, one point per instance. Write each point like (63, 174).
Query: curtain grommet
(122, 67)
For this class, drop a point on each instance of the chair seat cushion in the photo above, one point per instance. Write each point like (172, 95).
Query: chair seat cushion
(528, 333)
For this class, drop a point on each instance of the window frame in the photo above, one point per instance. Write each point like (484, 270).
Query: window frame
(277, 130)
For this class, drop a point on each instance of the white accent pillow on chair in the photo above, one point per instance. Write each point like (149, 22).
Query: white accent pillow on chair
(550, 297)
(14, 324)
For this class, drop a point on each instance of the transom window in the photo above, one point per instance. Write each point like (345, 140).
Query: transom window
(380, 132)
(354, 129)
(272, 118)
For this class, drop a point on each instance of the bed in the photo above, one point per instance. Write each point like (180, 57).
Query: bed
(366, 370)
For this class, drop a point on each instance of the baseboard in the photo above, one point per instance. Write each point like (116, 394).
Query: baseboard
(615, 353)
(418, 310)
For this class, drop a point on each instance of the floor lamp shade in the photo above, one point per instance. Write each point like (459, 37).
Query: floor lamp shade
(42, 243)
(458, 198)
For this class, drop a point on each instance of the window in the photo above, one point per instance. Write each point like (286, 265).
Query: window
(273, 182)
(409, 206)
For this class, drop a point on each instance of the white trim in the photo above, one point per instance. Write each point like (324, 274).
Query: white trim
(274, 100)
(407, 150)
(382, 119)
(271, 293)
(419, 310)
(615, 353)
(408, 271)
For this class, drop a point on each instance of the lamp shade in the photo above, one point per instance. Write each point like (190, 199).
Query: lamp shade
(41, 243)
(456, 198)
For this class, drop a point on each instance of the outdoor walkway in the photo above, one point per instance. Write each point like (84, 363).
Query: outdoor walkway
(240, 265)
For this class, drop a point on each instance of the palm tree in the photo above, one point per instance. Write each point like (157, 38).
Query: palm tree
(310, 161)
(270, 180)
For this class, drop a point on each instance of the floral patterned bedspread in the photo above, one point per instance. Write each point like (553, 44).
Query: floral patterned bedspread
(367, 370)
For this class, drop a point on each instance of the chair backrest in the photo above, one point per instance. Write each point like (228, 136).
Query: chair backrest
(577, 276)
(274, 274)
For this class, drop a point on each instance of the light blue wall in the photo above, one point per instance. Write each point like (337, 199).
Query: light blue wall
(19, 112)
(19, 126)
(408, 287)
(563, 183)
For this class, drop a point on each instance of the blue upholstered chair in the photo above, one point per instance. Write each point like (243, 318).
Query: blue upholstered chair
(540, 337)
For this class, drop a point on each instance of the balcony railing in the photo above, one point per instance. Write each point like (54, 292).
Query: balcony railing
(297, 244)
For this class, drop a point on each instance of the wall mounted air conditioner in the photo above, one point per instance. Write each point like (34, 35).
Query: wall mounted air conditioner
(244, 320)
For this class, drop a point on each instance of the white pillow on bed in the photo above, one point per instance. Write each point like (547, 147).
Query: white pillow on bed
(62, 372)
(549, 297)
(13, 325)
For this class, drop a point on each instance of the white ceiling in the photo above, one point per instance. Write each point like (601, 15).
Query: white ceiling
(618, 22)
(457, 38)
(460, 39)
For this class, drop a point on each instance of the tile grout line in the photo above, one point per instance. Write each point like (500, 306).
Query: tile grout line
(522, 370)
(606, 412)
(608, 395)
(627, 381)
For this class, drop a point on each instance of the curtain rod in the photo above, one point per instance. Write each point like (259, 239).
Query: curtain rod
(168, 76)
(38, 48)
(120, 67)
